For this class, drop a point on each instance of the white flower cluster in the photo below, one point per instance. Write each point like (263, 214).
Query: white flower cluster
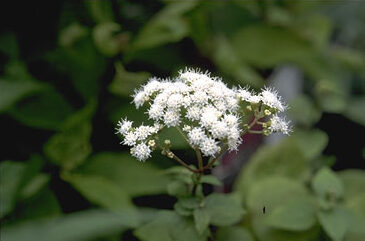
(203, 107)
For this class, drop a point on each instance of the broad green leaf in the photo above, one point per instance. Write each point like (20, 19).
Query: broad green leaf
(166, 26)
(297, 215)
(223, 209)
(227, 60)
(303, 111)
(71, 34)
(267, 46)
(283, 159)
(101, 11)
(201, 220)
(8, 45)
(178, 188)
(327, 185)
(10, 178)
(77, 226)
(357, 203)
(46, 110)
(234, 234)
(17, 84)
(42, 205)
(82, 63)
(105, 39)
(34, 185)
(70, 147)
(311, 143)
(269, 193)
(101, 191)
(264, 232)
(334, 222)
(172, 134)
(168, 226)
(354, 110)
(355, 224)
(124, 170)
(211, 179)
(354, 182)
(125, 82)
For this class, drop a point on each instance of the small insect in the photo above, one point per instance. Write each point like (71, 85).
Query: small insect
(264, 210)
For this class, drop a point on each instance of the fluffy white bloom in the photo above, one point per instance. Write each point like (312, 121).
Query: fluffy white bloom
(130, 138)
(219, 130)
(279, 124)
(196, 135)
(141, 151)
(124, 125)
(155, 112)
(193, 113)
(171, 118)
(209, 147)
(244, 94)
(271, 98)
(231, 120)
(204, 107)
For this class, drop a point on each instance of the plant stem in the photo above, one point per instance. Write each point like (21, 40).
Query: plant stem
(184, 164)
(255, 132)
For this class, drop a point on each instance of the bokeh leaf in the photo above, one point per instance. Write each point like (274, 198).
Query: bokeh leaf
(105, 39)
(74, 227)
(100, 190)
(312, 142)
(234, 234)
(327, 184)
(334, 222)
(123, 169)
(10, 180)
(354, 182)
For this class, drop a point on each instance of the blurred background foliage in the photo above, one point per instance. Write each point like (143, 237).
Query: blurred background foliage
(68, 69)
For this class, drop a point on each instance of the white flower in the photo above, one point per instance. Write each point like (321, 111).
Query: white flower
(186, 128)
(152, 86)
(175, 101)
(254, 99)
(171, 118)
(139, 98)
(244, 94)
(124, 125)
(234, 139)
(199, 97)
(193, 113)
(271, 98)
(231, 120)
(219, 130)
(209, 147)
(141, 151)
(196, 135)
(155, 112)
(130, 138)
(209, 116)
(279, 125)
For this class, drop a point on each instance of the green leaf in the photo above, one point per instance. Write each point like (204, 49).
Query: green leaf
(73, 227)
(354, 110)
(284, 159)
(311, 143)
(125, 82)
(101, 11)
(70, 147)
(354, 182)
(303, 111)
(269, 193)
(71, 34)
(47, 110)
(166, 26)
(34, 185)
(123, 170)
(201, 220)
(223, 209)
(211, 179)
(105, 39)
(334, 222)
(10, 179)
(168, 226)
(9, 45)
(297, 215)
(101, 191)
(227, 60)
(264, 232)
(234, 234)
(172, 134)
(254, 45)
(178, 188)
(327, 185)
(17, 84)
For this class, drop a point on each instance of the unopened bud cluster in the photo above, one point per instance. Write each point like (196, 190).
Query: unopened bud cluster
(207, 112)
